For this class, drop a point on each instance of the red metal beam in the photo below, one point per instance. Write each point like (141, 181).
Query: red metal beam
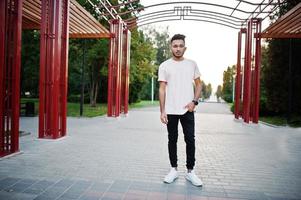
(53, 68)
(16, 69)
(127, 66)
(115, 69)
(238, 78)
(64, 67)
(257, 73)
(247, 73)
(110, 74)
(118, 69)
(3, 7)
(10, 59)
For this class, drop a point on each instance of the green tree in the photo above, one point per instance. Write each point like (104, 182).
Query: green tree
(227, 90)
(218, 92)
(141, 68)
(209, 90)
(30, 63)
(206, 90)
(282, 86)
(160, 40)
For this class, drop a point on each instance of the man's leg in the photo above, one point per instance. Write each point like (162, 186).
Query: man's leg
(172, 128)
(187, 121)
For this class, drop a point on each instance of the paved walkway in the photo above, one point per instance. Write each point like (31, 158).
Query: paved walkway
(126, 158)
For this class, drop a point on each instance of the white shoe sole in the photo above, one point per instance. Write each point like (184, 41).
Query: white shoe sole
(171, 181)
(197, 185)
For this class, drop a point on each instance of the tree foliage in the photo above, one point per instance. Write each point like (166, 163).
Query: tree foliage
(218, 92)
(142, 68)
(30, 63)
(227, 89)
(278, 82)
(160, 41)
(206, 90)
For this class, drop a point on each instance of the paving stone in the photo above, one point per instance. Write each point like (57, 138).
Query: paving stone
(8, 182)
(124, 158)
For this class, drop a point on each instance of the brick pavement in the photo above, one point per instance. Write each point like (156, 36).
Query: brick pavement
(126, 158)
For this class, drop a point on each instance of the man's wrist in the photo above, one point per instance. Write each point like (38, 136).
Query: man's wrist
(196, 102)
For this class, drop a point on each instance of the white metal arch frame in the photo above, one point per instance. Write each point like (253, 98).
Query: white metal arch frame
(233, 14)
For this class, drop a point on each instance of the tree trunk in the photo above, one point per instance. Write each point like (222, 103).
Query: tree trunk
(93, 94)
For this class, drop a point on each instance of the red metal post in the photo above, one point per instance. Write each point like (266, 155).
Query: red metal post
(16, 69)
(110, 73)
(42, 82)
(115, 67)
(64, 67)
(123, 67)
(53, 68)
(10, 60)
(127, 65)
(119, 69)
(112, 69)
(3, 9)
(247, 73)
(238, 76)
(55, 78)
(257, 71)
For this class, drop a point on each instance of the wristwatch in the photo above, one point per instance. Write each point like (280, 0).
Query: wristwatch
(195, 102)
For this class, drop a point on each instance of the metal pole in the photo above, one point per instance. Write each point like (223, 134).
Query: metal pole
(118, 68)
(3, 8)
(42, 82)
(247, 73)
(238, 78)
(289, 103)
(16, 65)
(82, 80)
(257, 72)
(152, 89)
(128, 45)
(233, 88)
(64, 67)
(110, 69)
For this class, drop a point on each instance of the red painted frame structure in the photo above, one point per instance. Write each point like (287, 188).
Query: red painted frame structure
(53, 68)
(10, 57)
(118, 72)
(52, 17)
(247, 84)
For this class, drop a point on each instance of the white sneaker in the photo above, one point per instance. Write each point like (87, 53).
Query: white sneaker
(192, 177)
(171, 176)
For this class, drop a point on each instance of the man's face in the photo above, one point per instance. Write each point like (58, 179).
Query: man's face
(178, 48)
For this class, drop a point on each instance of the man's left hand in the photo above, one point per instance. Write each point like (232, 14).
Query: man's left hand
(190, 107)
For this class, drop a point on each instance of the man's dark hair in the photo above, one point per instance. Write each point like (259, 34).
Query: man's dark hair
(178, 37)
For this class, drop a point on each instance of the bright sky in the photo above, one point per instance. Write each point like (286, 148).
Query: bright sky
(212, 46)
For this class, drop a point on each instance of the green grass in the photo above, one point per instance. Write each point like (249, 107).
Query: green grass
(275, 120)
(281, 121)
(142, 104)
(88, 111)
(73, 108)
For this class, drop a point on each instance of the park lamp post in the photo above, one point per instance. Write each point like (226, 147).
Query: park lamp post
(152, 82)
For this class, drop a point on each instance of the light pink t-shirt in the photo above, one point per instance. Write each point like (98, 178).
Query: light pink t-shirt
(179, 76)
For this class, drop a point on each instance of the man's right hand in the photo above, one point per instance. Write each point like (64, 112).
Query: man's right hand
(163, 118)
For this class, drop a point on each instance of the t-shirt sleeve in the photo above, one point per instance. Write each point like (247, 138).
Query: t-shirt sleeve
(197, 73)
(162, 73)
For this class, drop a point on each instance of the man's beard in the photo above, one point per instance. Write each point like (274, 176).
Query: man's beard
(176, 56)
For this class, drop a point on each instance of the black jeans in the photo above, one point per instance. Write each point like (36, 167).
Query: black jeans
(187, 122)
